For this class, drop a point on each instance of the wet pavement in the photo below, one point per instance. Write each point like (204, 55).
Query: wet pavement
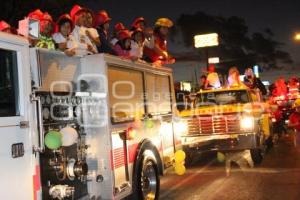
(276, 178)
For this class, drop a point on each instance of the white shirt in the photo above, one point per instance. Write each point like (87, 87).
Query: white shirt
(114, 41)
(59, 38)
(136, 49)
(82, 41)
(150, 42)
(213, 80)
(94, 34)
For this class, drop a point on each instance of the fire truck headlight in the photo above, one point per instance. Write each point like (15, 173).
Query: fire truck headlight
(247, 123)
(181, 128)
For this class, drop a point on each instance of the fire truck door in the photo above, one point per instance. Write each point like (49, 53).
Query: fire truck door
(158, 88)
(15, 144)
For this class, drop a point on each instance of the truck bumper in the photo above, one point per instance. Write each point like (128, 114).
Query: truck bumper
(232, 142)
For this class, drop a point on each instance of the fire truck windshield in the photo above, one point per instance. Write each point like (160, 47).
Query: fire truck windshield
(222, 98)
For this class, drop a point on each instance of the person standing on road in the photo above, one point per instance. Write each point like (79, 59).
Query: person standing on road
(294, 122)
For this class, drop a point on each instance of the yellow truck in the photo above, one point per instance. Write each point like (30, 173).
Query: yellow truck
(226, 119)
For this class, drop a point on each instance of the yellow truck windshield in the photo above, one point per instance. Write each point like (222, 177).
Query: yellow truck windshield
(222, 98)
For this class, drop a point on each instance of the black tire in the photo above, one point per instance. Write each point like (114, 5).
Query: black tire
(256, 155)
(269, 143)
(146, 183)
(189, 158)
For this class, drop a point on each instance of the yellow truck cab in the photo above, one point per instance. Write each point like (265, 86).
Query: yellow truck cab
(226, 119)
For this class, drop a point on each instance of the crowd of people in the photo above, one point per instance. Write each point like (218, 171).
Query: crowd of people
(83, 32)
(212, 80)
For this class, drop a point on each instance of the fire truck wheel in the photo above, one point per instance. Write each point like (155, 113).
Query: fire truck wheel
(147, 180)
(189, 158)
(269, 143)
(256, 155)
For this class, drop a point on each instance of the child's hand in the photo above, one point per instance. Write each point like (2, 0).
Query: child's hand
(70, 52)
(88, 33)
(91, 48)
(82, 39)
(62, 46)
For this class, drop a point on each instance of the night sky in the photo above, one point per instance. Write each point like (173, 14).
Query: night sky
(281, 16)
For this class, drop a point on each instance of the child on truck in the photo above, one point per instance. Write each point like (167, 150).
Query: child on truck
(155, 50)
(137, 43)
(63, 38)
(123, 46)
(46, 29)
(84, 45)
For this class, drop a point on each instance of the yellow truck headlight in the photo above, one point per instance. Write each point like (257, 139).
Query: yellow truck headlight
(181, 128)
(247, 123)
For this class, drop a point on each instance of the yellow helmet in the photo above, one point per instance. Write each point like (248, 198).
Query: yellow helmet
(164, 22)
(296, 103)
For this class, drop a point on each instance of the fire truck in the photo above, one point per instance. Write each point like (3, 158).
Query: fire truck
(227, 119)
(92, 127)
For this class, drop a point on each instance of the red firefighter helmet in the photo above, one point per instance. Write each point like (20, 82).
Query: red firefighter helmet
(65, 17)
(102, 18)
(4, 25)
(138, 30)
(37, 14)
(44, 19)
(78, 9)
(119, 27)
(124, 34)
(136, 22)
(47, 17)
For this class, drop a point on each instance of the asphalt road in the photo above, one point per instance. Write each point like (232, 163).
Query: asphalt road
(276, 178)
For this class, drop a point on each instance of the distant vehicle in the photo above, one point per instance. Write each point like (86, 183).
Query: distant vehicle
(227, 119)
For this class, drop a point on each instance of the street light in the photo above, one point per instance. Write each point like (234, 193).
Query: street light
(205, 41)
(297, 37)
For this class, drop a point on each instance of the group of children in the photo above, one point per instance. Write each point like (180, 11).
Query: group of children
(250, 80)
(84, 32)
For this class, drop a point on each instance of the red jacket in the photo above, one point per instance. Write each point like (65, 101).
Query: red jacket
(150, 52)
(294, 119)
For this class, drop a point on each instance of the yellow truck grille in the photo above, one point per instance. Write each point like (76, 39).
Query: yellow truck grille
(214, 124)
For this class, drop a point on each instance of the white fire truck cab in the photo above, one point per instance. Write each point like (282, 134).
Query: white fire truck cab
(93, 127)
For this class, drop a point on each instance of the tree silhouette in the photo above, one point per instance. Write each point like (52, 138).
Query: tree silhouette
(236, 47)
